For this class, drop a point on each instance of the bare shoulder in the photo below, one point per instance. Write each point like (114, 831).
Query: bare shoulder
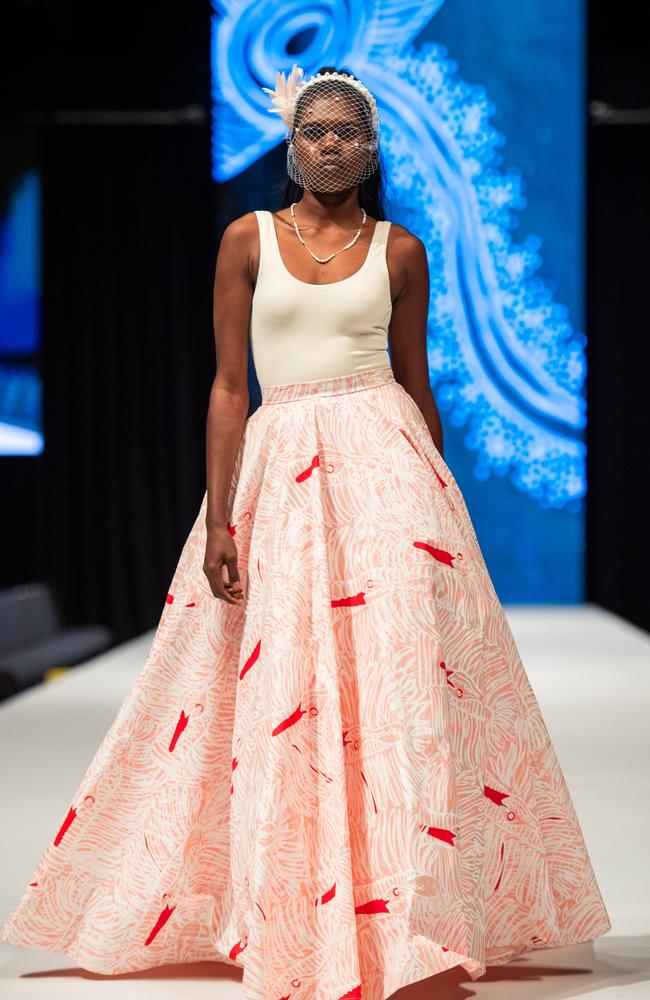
(242, 229)
(405, 245)
(408, 265)
(239, 247)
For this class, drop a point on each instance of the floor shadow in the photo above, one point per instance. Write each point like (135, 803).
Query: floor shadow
(570, 972)
(579, 970)
(213, 971)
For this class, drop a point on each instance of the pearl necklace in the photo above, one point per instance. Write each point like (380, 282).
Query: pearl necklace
(325, 260)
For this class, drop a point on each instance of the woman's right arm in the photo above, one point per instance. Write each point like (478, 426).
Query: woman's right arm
(229, 400)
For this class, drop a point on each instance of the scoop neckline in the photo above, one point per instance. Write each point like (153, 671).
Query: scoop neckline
(327, 284)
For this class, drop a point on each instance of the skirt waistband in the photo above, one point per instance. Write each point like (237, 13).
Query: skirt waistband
(354, 382)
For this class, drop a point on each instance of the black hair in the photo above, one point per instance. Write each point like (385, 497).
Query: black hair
(371, 190)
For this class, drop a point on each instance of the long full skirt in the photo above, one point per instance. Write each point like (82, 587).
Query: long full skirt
(343, 784)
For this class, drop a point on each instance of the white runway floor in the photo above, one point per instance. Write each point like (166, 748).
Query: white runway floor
(591, 673)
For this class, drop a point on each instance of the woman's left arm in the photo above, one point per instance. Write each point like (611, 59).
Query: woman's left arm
(409, 270)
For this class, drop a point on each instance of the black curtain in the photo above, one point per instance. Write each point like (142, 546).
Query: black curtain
(618, 250)
(128, 361)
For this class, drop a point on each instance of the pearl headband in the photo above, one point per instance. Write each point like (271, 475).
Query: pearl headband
(288, 90)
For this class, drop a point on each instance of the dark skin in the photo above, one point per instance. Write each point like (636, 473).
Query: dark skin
(327, 222)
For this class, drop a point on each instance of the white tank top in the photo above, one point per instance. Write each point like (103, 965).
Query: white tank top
(301, 332)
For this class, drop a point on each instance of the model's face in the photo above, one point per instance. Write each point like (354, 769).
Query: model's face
(330, 144)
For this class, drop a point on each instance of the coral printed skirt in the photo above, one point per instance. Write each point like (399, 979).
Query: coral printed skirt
(343, 784)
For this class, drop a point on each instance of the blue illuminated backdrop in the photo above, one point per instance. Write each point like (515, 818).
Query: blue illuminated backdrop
(21, 430)
(506, 358)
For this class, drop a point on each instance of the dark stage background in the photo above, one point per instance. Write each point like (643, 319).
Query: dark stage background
(128, 246)
(618, 316)
(131, 227)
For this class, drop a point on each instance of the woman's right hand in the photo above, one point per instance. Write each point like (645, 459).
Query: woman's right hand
(221, 550)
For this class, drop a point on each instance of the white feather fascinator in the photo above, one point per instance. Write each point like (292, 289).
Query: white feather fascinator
(284, 95)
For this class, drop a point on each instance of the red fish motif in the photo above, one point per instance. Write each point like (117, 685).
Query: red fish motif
(349, 602)
(373, 906)
(291, 720)
(494, 795)
(65, 826)
(440, 833)
(251, 659)
(160, 922)
(180, 726)
(440, 554)
(330, 894)
(353, 994)
(306, 473)
(237, 949)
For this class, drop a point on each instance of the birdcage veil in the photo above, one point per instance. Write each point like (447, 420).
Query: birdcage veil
(332, 128)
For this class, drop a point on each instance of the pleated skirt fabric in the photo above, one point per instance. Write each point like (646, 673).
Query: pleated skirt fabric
(344, 784)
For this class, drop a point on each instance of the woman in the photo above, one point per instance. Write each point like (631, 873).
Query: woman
(332, 770)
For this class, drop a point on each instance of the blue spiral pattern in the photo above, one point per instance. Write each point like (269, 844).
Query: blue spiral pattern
(505, 362)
